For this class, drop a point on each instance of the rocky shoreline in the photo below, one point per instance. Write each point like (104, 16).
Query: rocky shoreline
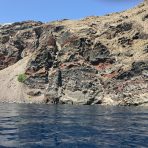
(96, 60)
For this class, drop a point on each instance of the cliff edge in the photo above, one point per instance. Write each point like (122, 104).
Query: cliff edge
(96, 60)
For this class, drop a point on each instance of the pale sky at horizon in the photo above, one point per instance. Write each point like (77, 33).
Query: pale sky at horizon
(49, 10)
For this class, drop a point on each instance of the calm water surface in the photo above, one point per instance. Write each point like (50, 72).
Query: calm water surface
(36, 126)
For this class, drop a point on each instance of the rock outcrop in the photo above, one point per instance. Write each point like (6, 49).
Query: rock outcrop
(96, 60)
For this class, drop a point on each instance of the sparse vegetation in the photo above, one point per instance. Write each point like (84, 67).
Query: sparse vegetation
(21, 78)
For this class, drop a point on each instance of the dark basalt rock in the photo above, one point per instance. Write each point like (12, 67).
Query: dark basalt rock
(136, 70)
(124, 41)
(98, 54)
(16, 41)
(114, 31)
(145, 17)
(146, 49)
(140, 35)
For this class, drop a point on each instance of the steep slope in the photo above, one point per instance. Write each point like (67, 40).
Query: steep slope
(97, 60)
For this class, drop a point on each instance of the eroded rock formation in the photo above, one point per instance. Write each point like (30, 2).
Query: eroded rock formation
(97, 60)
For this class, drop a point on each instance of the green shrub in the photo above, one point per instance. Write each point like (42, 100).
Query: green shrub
(21, 78)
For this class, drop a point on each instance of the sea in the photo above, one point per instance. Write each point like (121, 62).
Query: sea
(72, 126)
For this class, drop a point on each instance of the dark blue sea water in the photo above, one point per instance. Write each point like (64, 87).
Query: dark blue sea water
(37, 126)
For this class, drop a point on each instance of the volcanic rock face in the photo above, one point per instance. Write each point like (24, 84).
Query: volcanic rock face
(97, 60)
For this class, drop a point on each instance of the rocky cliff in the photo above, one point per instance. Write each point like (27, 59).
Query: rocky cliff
(96, 60)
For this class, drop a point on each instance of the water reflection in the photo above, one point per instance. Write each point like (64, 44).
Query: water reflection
(72, 126)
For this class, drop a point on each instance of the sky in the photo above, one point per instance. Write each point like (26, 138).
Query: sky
(50, 10)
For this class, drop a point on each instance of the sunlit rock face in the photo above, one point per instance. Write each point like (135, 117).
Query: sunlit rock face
(97, 60)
